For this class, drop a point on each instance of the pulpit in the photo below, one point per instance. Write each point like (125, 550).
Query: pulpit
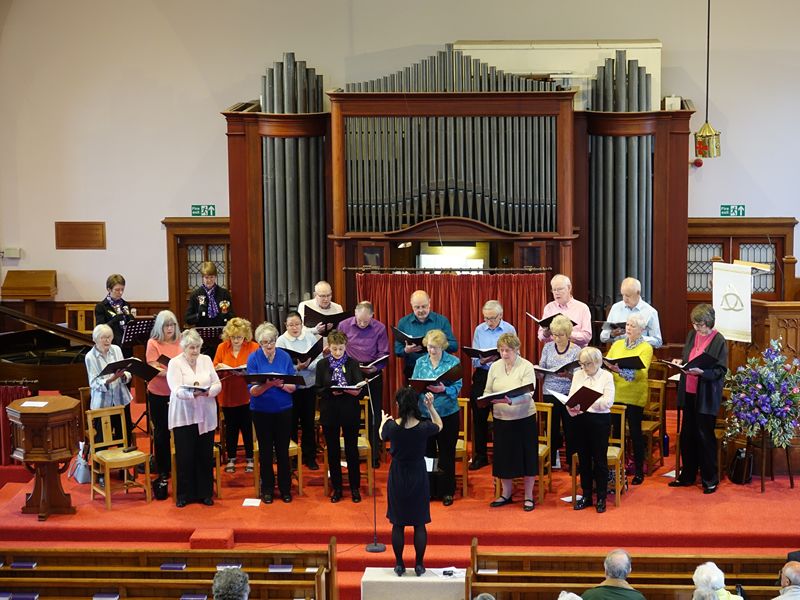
(44, 434)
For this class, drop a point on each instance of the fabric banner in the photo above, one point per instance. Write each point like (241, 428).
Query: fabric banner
(732, 286)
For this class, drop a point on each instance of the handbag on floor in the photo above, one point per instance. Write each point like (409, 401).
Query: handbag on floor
(79, 470)
(741, 468)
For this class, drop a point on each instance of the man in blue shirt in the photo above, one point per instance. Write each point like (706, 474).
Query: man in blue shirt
(485, 337)
(631, 291)
(421, 320)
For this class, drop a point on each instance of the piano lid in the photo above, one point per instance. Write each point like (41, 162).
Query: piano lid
(44, 327)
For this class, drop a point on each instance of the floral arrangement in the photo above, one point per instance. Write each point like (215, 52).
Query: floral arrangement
(765, 395)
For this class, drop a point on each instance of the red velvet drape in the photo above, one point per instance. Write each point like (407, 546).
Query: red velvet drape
(459, 298)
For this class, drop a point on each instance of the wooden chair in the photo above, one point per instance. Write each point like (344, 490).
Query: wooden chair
(658, 371)
(653, 421)
(107, 455)
(615, 453)
(462, 444)
(364, 450)
(544, 422)
(174, 468)
(294, 452)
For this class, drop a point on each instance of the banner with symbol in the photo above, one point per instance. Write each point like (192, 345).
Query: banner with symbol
(731, 300)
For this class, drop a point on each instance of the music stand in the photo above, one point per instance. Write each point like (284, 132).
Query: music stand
(210, 336)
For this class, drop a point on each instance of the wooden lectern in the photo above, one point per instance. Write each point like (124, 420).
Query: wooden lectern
(44, 434)
(30, 287)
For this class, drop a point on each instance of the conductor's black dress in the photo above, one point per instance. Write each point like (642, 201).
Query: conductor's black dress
(408, 491)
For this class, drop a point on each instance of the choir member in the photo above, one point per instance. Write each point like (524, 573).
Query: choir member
(108, 390)
(573, 309)
(210, 305)
(115, 311)
(322, 303)
(416, 324)
(631, 291)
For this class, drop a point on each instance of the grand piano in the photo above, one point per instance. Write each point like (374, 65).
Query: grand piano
(45, 356)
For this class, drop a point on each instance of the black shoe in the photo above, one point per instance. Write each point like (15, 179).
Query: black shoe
(501, 501)
(419, 569)
(447, 500)
(376, 463)
(710, 489)
(180, 502)
(601, 505)
(336, 496)
(355, 495)
(478, 462)
(266, 498)
(528, 504)
(399, 569)
(286, 498)
(140, 468)
(679, 483)
(208, 501)
(312, 464)
(584, 502)
(637, 480)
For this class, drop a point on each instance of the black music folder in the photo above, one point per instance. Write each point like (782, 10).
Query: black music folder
(545, 322)
(405, 338)
(311, 353)
(583, 397)
(486, 399)
(626, 362)
(449, 376)
(480, 352)
(134, 366)
(704, 361)
(259, 378)
(312, 318)
(570, 366)
(609, 325)
(225, 372)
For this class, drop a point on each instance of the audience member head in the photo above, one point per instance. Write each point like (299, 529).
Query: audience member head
(115, 284)
(618, 562)
(565, 595)
(407, 404)
(561, 326)
(590, 359)
(323, 294)
(484, 596)
(231, 584)
(492, 313)
(704, 594)
(708, 576)
(790, 574)
(165, 327)
(238, 328)
(631, 291)
(703, 317)
(420, 304)
(363, 313)
(561, 287)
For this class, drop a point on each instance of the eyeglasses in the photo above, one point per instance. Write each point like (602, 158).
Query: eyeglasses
(268, 342)
(586, 364)
(698, 325)
(491, 319)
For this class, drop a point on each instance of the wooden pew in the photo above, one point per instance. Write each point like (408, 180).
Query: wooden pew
(111, 565)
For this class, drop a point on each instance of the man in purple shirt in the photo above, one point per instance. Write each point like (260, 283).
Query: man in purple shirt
(575, 310)
(367, 341)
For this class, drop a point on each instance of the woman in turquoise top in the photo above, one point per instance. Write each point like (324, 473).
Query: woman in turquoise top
(445, 401)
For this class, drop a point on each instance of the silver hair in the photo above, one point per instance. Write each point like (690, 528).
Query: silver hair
(561, 277)
(565, 595)
(164, 318)
(266, 330)
(704, 594)
(791, 570)
(231, 584)
(592, 354)
(631, 282)
(484, 596)
(365, 305)
(708, 576)
(190, 337)
(638, 320)
(493, 305)
(617, 564)
(100, 330)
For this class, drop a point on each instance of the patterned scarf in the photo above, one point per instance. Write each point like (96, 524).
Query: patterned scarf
(213, 307)
(337, 369)
(116, 305)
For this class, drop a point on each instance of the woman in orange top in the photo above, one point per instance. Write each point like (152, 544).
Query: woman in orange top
(237, 344)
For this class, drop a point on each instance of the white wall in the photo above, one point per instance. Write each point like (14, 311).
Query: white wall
(109, 109)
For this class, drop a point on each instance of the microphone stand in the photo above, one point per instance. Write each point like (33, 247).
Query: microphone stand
(374, 546)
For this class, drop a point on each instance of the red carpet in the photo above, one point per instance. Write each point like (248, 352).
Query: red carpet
(652, 518)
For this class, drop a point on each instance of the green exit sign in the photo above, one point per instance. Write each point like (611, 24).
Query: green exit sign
(210, 210)
(731, 210)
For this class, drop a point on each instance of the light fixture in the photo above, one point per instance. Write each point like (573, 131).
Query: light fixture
(706, 140)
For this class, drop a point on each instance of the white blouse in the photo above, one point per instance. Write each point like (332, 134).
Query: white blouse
(184, 407)
(602, 381)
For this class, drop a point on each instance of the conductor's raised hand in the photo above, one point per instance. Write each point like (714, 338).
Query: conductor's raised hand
(428, 400)
(385, 417)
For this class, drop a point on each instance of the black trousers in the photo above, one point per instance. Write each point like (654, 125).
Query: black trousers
(349, 427)
(443, 446)
(698, 445)
(591, 437)
(194, 460)
(634, 416)
(480, 415)
(376, 406)
(273, 432)
(304, 405)
(159, 417)
(560, 418)
(238, 419)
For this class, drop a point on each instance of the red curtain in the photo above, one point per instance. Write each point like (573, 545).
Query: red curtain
(459, 298)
